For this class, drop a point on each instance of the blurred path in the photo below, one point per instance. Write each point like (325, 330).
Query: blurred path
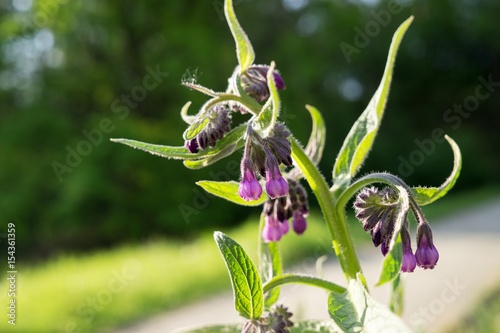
(469, 265)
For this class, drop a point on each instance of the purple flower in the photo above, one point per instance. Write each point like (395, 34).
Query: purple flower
(284, 227)
(299, 223)
(426, 255)
(276, 185)
(272, 231)
(250, 188)
(409, 262)
(280, 84)
(192, 145)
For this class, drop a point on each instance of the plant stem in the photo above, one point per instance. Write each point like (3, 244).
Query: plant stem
(302, 279)
(335, 220)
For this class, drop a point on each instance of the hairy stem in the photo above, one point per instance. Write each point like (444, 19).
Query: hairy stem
(335, 221)
(302, 279)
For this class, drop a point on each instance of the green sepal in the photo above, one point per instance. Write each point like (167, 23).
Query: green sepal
(269, 114)
(360, 139)
(229, 191)
(426, 195)
(245, 279)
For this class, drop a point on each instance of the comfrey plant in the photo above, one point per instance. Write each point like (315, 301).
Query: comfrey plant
(272, 168)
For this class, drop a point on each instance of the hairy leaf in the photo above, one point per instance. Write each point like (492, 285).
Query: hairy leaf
(426, 195)
(244, 49)
(356, 311)
(360, 139)
(245, 279)
(224, 147)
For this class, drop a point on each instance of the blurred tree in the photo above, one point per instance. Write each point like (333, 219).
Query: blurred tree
(75, 73)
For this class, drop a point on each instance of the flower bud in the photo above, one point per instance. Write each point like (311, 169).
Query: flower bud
(299, 223)
(254, 82)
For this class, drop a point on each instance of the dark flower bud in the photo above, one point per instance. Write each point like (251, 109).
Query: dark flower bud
(219, 124)
(278, 320)
(254, 82)
(279, 144)
(426, 255)
(299, 223)
(192, 145)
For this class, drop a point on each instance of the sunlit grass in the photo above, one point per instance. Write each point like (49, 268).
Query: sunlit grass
(98, 291)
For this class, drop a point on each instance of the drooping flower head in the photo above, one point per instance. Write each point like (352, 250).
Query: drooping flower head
(264, 156)
(219, 124)
(278, 211)
(378, 210)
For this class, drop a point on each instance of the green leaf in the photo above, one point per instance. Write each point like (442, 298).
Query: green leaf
(245, 280)
(360, 139)
(187, 118)
(236, 328)
(229, 191)
(198, 124)
(159, 150)
(244, 49)
(314, 326)
(392, 263)
(396, 303)
(316, 143)
(270, 267)
(356, 311)
(227, 145)
(426, 195)
(202, 89)
(266, 119)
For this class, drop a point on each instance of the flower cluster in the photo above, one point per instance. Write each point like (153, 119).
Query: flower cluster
(219, 124)
(254, 83)
(278, 211)
(377, 210)
(277, 321)
(263, 156)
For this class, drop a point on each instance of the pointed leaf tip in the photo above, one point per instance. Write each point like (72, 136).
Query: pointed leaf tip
(359, 141)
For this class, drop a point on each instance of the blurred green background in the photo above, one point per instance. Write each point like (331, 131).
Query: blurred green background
(74, 74)
(66, 66)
